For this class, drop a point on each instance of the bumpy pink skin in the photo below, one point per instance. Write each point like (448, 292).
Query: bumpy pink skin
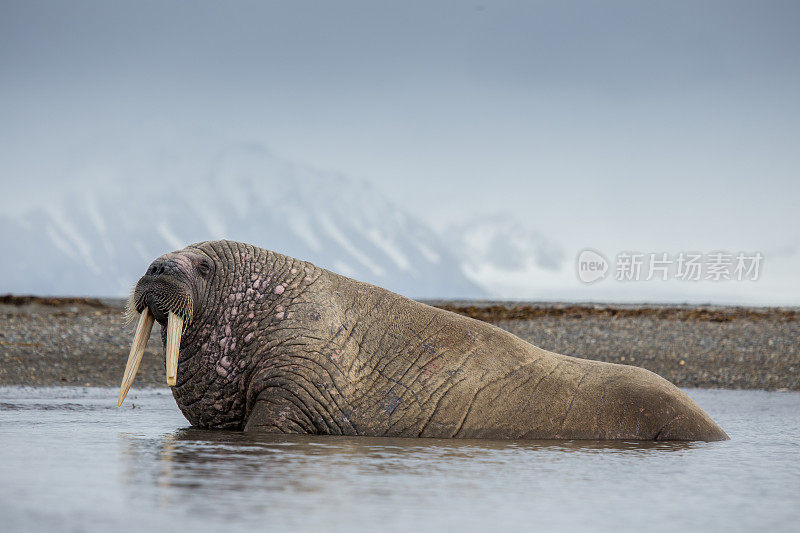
(248, 296)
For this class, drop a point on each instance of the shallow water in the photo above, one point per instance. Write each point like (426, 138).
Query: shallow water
(70, 460)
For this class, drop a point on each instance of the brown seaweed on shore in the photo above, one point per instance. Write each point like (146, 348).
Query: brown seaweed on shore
(498, 312)
(12, 299)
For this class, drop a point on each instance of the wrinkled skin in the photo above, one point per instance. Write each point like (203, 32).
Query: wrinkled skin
(277, 344)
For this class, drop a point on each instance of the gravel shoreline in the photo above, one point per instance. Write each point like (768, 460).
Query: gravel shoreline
(85, 342)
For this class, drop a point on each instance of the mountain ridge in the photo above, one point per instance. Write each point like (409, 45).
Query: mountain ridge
(98, 241)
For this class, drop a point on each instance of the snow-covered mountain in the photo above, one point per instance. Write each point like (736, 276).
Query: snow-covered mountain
(506, 257)
(501, 241)
(100, 240)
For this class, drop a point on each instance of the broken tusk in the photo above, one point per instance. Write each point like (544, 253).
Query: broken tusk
(137, 350)
(174, 330)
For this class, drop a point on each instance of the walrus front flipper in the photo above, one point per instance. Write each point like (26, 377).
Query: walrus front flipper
(275, 411)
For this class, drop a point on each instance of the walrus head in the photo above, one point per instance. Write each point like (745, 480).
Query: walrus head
(218, 303)
(171, 292)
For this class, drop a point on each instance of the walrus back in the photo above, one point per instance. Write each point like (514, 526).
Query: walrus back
(272, 343)
(416, 370)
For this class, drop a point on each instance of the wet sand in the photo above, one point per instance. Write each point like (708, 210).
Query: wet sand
(85, 342)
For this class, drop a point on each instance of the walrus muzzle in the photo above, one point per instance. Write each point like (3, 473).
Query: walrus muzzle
(163, 294)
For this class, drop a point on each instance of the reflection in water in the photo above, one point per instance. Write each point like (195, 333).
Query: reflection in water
(70, 461)
(249, 470)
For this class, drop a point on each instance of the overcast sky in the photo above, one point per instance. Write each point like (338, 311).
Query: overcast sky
(617, 125)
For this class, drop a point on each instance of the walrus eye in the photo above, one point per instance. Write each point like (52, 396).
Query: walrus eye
(203, 267)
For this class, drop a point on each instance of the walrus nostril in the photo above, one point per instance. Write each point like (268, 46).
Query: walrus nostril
(161, 266)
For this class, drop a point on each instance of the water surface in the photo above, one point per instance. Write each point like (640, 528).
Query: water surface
(71, 460)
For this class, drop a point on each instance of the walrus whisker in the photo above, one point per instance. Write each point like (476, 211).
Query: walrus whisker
(140, 339)
(131, 314)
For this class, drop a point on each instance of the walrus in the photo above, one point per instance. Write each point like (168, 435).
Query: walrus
(259, 341)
